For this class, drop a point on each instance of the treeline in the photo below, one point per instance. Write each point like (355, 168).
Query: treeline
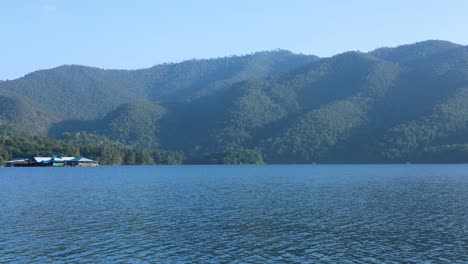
(230, 157)
(17, 144)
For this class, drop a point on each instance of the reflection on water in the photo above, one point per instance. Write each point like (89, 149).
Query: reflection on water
(369, 214)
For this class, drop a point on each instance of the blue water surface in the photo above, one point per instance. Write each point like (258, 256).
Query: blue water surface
(238, 214)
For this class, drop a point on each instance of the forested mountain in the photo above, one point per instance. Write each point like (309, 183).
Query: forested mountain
(75, 92)
(403, 104)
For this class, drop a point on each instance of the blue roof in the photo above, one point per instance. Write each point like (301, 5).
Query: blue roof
(56, 158)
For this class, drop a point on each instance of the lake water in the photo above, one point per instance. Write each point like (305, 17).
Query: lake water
(218, 214)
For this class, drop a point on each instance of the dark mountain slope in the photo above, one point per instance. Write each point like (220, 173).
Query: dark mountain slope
(23, 111)
(317, 128)
(134, 124)
(334, 110)
(131, 124)
(253, 110)
(412, 110)
(447, 124)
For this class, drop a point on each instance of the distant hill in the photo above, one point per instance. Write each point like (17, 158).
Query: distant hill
(402, 104)
(75, 92)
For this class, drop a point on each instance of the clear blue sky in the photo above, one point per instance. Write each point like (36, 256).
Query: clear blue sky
(39, 34)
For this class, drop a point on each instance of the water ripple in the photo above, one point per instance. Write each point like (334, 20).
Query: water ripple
(275, 214)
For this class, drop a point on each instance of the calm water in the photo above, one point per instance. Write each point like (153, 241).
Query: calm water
(255, 214)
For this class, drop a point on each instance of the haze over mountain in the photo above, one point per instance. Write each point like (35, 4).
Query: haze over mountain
(403, 104)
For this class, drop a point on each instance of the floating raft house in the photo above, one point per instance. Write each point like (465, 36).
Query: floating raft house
(54, 161)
